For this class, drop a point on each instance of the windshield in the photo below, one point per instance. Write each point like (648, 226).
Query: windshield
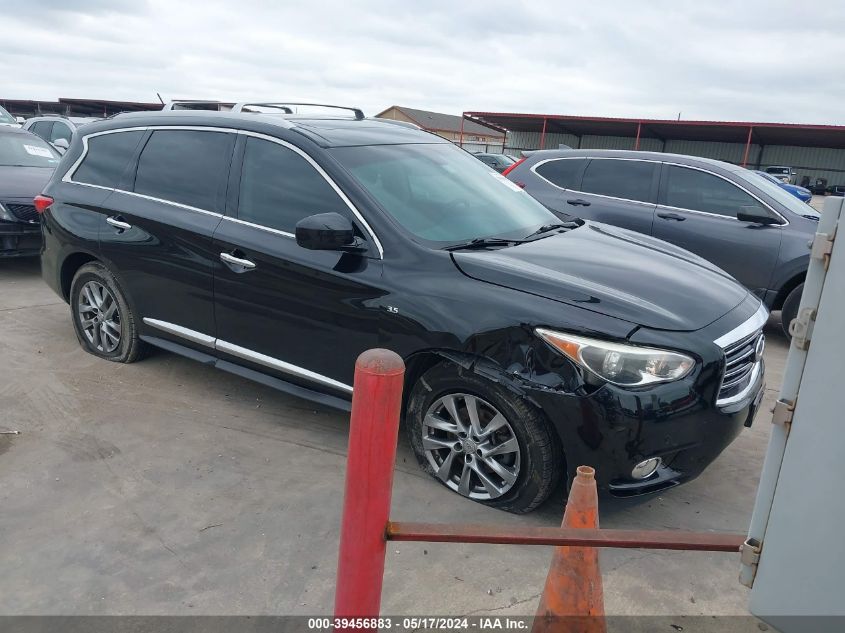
(443, 195)
(26, 150)
(5, 117)
(777, 192)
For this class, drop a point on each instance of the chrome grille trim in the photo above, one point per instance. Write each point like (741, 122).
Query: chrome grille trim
(741, 368)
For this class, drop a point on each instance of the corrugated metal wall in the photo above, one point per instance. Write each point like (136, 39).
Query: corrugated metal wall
(813, 162)
(482, 147)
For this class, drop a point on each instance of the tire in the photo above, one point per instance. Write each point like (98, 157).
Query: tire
(102, 319)
(520, 480)
(790, 308)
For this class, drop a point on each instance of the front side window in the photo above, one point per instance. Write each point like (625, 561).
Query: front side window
(700, 191)
(441, 194)
(26, 150)
(627, 179)
(279, 187)
(60, 130)
(563, 172)
(107, 158)
(185, 166)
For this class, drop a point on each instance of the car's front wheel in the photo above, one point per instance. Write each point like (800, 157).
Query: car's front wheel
(480, 441)
(102, 318)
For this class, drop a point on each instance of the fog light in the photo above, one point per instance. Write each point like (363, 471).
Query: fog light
(646, 468)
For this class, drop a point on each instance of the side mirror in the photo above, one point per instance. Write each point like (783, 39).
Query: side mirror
(328, 232)
(61, 144)
(755, 215)
(20, 120)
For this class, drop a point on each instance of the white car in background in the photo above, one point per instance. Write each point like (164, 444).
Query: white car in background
(7, 119)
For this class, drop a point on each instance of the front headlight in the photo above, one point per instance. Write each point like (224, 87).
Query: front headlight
(5, 215)
(620, 364)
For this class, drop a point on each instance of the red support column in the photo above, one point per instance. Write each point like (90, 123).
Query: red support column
(543, 134)
(461, 142)
(639, 128)
(374, 426)
(747, 147)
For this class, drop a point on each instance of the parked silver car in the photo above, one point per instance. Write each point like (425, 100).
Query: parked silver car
(748, 226)
(57, 130)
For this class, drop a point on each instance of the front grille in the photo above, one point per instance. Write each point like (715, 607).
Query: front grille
(740, 359)
(23, 212)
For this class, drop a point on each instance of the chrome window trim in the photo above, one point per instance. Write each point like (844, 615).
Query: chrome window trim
(747, 328)
(245, 353)
(260, 226)
(765, 204)
(589, 193)
(68, 176)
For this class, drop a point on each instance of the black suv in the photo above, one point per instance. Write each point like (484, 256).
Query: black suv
(280, 247)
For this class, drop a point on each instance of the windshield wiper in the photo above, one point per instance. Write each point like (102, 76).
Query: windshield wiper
(546, 228)
(482, 242)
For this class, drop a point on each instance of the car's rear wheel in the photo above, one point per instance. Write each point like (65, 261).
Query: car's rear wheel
(480, 441)
(790, 308)
(102, 318)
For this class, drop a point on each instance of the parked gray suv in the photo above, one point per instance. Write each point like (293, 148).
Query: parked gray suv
(746, 225)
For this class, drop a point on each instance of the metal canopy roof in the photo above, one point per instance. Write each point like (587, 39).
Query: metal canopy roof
(75, 107)
(725, 131)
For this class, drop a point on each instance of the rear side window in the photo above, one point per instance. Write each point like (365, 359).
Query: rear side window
(42, 129)
(279, 187)
(700, 191)
(563, 172)
(107, 158)
(628, 179)
(185, 166)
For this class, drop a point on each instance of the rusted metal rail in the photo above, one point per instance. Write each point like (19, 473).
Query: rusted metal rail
(578, 537)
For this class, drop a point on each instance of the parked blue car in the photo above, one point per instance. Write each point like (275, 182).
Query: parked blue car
(804, 195)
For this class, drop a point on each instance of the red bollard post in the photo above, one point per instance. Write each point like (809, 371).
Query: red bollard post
(374, 426)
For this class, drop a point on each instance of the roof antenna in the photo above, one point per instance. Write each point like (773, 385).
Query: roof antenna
(679, 114)
(160, 99)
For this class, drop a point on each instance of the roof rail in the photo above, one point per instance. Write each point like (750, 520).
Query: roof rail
(284, 106)
(197, 104)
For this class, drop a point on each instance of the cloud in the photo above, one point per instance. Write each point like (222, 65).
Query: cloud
(755, 60)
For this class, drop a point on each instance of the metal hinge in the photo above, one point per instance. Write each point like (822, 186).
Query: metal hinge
(749, 555)
(801, 328)
(822, 247)
(782, 412)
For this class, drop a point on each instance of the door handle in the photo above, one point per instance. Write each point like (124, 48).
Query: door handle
(119, 224)
(237, 261)
(671, 216)
(578, 202)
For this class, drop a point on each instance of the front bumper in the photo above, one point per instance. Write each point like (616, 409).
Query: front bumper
(612, 430)
(19, 239)
(687, 423)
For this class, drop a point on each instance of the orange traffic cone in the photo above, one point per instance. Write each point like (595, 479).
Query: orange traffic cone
(572, 599)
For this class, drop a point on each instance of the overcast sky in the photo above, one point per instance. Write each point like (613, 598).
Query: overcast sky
(735, 60)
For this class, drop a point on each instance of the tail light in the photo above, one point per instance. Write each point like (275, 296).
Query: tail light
(42, 203)
(512, 167)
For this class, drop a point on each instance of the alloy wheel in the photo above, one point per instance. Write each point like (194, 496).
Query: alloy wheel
(471, 446)
(99, 317)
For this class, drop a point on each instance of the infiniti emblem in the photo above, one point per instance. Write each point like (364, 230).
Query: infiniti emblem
(758, 349)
